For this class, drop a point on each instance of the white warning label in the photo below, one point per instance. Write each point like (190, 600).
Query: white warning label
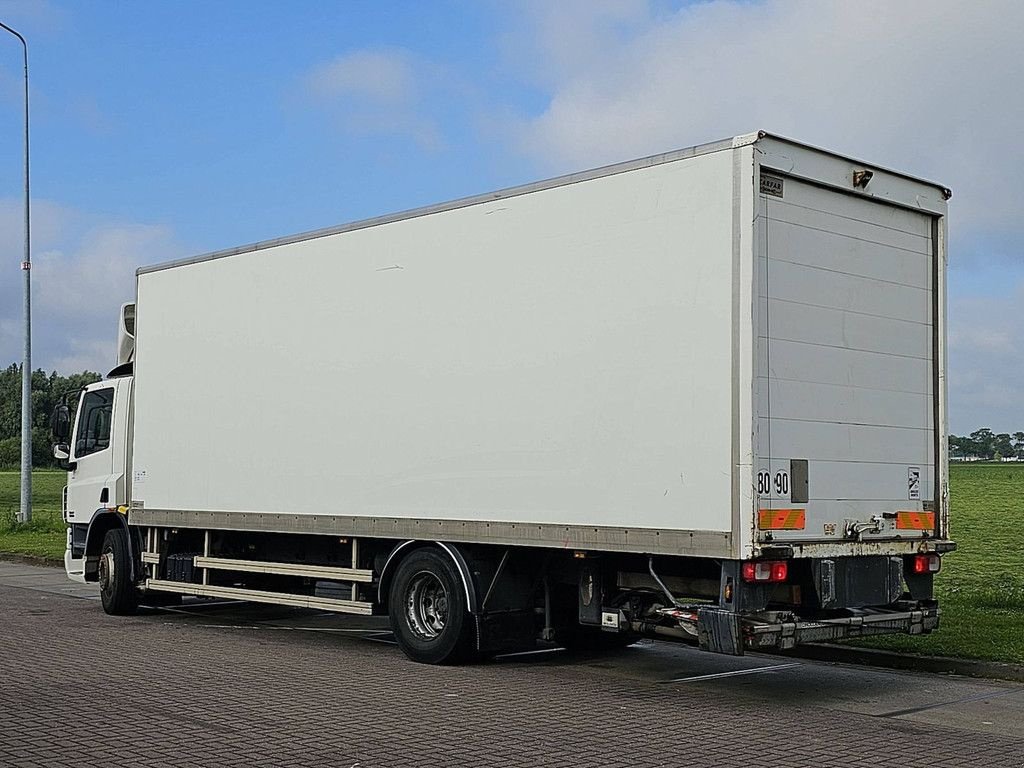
(913, 483)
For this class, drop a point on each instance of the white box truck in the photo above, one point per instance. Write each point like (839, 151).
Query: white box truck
(700, 394)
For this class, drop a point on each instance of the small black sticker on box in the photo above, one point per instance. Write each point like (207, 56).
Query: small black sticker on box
(771, 185)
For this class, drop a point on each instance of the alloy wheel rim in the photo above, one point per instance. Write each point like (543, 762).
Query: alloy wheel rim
(426, 606)
(106, 571)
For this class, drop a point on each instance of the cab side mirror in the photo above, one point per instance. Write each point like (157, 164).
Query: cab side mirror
(60, 424)
(62, 452)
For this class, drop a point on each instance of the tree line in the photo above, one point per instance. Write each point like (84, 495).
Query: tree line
(986, 444)
(46, 393)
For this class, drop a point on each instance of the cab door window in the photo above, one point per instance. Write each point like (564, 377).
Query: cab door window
(94, 422)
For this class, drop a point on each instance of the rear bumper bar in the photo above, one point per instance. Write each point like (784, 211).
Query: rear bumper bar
(761, 635)
(723, 631)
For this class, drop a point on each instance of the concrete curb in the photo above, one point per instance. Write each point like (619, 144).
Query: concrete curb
(941, 665)
(17, 557)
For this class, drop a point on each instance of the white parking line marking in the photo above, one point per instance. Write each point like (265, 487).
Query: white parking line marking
(282, 627)
(192, 608)
(323, 629)
(735, 673)
(537, 652)
(381, 637)
(976, 697)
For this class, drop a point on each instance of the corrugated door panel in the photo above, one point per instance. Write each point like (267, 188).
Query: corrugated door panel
(816, 325)
(798, 285)
(800, 361)
(801, 400)
(845, 371)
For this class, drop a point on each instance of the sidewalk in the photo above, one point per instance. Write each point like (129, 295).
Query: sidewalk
(45, 579)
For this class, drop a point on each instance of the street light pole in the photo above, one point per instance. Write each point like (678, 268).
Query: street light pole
(25, 513)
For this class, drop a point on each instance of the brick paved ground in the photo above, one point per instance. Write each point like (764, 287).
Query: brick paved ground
(169, 689)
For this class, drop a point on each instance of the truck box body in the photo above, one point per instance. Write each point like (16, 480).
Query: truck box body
(707, 353)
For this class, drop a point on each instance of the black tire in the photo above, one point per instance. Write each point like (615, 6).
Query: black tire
(117, 592)
(429, 614)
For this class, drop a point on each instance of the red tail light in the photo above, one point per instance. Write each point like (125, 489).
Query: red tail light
(765, 571)
(921, 564)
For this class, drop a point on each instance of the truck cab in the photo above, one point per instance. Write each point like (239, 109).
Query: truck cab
(97, 453)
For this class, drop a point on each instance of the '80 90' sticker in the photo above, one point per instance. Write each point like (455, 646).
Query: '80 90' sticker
(769, 484)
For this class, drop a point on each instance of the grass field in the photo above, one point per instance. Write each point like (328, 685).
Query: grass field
(44, 535)
(980, 588)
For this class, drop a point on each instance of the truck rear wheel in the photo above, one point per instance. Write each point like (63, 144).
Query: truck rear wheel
(117, 592)
(429, 614)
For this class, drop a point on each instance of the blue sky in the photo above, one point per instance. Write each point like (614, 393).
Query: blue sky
(199, 116)
(164, 129)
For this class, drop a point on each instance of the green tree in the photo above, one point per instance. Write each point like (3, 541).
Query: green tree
(960, 446)
(984, 442)
(46, 392)
(1002, 445)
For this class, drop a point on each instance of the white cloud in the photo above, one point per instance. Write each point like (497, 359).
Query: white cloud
(927, 86)
(986, 358)
(375, 91)
(564, 40)
(383, 76)
(83, 269)
(85, 355)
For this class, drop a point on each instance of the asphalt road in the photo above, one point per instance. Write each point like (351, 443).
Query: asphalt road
(214, 684)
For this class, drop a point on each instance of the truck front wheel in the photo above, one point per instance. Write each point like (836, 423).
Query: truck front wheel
(117, 592)
(429, 614)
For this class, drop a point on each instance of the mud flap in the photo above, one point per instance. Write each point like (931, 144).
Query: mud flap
(506, 631)
(719, 631)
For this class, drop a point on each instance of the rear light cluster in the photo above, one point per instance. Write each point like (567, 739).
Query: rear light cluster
(922, 564)
(765, 571)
